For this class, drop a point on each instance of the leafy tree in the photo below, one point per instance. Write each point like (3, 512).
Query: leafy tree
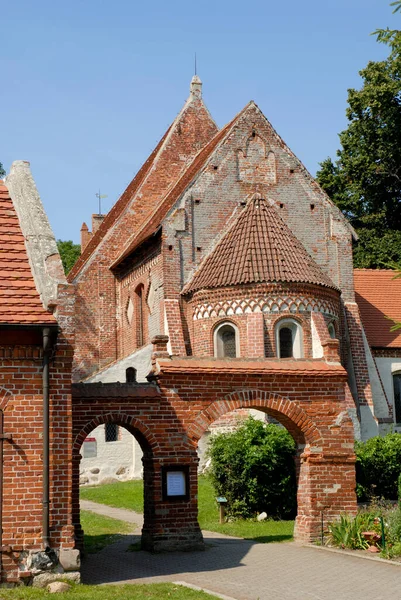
(365, 180)
(253, 467)
(69, 254)
(2, 171)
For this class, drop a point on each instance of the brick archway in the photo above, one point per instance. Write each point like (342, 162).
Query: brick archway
(137, 428)
(171, 414)
(5, 396)
(291, 415)
(145, 438)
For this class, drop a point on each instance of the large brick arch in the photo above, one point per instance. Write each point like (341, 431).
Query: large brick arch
(137, 428)
(287, 411)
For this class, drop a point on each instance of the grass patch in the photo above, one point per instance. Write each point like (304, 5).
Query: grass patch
(101, 531)
(129, 494)
(124, 494)
(154, 591)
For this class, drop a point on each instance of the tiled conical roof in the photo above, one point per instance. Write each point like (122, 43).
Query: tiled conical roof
(259, 247)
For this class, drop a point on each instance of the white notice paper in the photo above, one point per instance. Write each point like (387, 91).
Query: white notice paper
(176, 483)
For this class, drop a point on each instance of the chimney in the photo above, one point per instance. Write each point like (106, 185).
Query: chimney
(96, 222)
(85, 236)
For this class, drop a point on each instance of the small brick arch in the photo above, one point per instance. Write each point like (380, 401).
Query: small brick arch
(288, 412)
(5, 396)
(142, 433)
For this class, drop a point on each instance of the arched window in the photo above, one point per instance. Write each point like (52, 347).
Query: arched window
(226, 341)
(130, 375)
(397, 396)
(289, 339)
(332, 331)
(140, 315)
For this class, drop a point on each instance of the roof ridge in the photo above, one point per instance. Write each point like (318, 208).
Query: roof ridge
(135, 185)
(179, 187)
(117, 208)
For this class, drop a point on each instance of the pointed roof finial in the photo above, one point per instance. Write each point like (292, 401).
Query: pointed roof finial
(196, 87)
(195, 65)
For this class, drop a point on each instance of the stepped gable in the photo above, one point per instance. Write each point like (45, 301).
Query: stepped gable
(192, 129)
(378, 295)
(259, 247)
(20, 301)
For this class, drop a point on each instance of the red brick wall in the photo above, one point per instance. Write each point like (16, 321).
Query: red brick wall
(21, 400)
(312, 407)
(227, 300)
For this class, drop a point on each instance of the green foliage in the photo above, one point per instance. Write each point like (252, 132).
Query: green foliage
(137, 591)
(347, 532)
(2, 171)
(365, 180)
(253, 467)
(378, 467)
(69, 254)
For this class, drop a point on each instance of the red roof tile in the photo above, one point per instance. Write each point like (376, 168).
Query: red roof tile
(20, 301)
(259, 247)
(378, 296)
(152, 224)
(238, 365)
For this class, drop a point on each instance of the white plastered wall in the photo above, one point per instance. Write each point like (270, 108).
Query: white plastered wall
(119, 460)
(386, 367)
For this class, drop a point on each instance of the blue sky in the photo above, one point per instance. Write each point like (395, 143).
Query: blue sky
(88, 88)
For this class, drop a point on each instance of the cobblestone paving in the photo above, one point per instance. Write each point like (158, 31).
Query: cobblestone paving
(245, 570)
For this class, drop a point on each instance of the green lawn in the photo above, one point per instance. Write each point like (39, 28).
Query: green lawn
(155, 591)
(101, 531)
(124, 494)
(129, 494)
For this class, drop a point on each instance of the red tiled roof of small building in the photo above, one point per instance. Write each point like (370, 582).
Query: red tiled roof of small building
(259, 247)
(378, 296)
(291, 366)
(20, 301)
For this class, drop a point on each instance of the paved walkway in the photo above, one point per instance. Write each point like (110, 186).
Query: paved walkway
(245, 570)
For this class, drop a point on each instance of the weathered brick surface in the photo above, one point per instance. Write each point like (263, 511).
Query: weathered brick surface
(310, 404)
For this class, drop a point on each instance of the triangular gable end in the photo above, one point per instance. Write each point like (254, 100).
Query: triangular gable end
(192, 129)
(194, 170)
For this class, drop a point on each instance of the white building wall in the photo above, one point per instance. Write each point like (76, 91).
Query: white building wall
(386, 368)
(114, 461)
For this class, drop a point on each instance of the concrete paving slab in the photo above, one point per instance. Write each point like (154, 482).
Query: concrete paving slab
(246, 570)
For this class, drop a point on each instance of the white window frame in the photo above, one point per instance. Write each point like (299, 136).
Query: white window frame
(217, 341)
(297, 337)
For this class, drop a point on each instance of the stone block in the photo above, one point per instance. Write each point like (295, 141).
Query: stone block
(57, 587)
(70, 559)
(43, 579)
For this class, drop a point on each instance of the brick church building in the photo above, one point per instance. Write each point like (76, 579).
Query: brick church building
(221, 280)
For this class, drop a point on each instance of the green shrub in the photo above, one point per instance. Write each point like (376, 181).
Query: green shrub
(347, 532)
(378, 467)
(253, 467)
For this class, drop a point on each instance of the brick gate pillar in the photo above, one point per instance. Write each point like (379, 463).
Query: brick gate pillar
(170, 523)
(326, 488)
